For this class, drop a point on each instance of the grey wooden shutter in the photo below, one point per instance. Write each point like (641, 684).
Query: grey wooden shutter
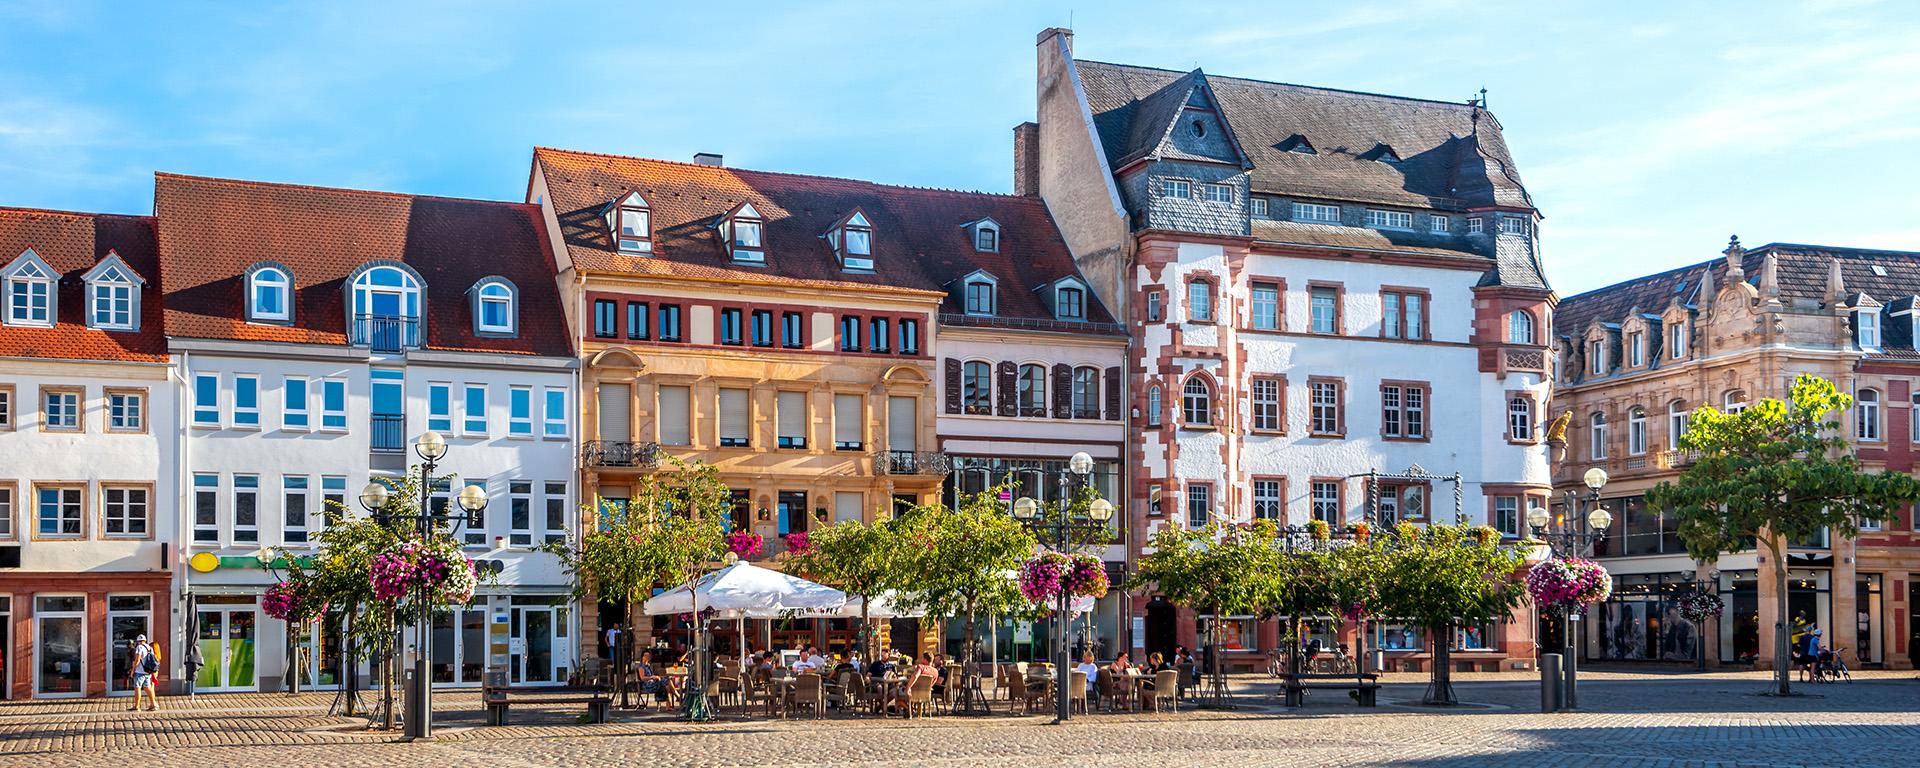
(903, 423)
(953, 385)
(615, 407)
(1062, 391)
(1006, 375)
(1113, 393)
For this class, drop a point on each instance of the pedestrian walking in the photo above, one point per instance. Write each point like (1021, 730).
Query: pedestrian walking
(146, 669)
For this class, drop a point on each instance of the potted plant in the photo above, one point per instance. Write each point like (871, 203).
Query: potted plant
(1362, 531)
(1319, 530)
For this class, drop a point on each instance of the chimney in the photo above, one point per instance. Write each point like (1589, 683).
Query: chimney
(1050, 32)
(707, 158)
(1026, 159)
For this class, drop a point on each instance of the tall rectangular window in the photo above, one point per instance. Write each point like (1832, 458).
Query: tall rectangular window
(1266, 499)
(673, 417)
(763, 328)
(60, 409)
(637, 320)
(1677, 339)
(791, 416)
(520, 411)
(440, 407)
(125, 512)
(878, 334)
(1323, 402)
(909, 336)
(58, 511)
(1323, 305)
(1199, 302)
(1266, 405)
(293, 494)
(333, 404)
(1266, 307)
(6, 512)
(126, 410)
(476, 533)
(1403, 315)
(206, 508)
(556, 500)
(849, 427)
(669, 322)
(1153, 306)
(474, 408)
(246, 401)
(731, 330)
(520, 513)
(553, 421)
(1636, 349)
(734, 423)
(849, 333)
(293, 408)
(206, 400)
(793, 334)
(1403, 411)
(6, 407)
(333, 499)
(1199, 505)
(1506, 515)
(246, 509)
(1326, 503)
(606, 318)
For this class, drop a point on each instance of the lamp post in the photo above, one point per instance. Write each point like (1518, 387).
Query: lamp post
(1056, 531)
(1576, 535)
(472, 499)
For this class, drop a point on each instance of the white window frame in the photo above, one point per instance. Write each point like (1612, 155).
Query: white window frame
(1316, 212)
(9, 494)
(553, 500)
(1513, 225)
(206, 488)
(333, 419)
(246, 416)
(1506, 509)
(976, 290)
(631, 239)
(1199, 498)
(553, 414)
(1176, 188)
(1268, 502)
(294, 413)
(1439, 224)
(520, 513)
(440, 406)
(116, 294)
(1323, 407)
(520, 411)
(1259, 206)
(1677, 417)
(206, 400)
(1597, 435)
(1520, 419)
(1264, 397)
(1380, 218)
(1868, 321)
(1520, 327)
(1597, 356)
(1264, 312)
(1332, 306)
(1475, 225)
(258, 283)
(494, 293)
(29, 293)
(294, 487)
(245, 485)
(1199, 301)
(1325, 496)
(126, 410)
(1866, 423)
(1196, 403)
(473, 421)
(1217, 193)
(1677, 340)
(122, 511)
(66, 416)
(1637, 431)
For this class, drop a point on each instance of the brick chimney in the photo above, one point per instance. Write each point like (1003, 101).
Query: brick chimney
(1026, 159)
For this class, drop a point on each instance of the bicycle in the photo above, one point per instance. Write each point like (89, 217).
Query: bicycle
(1833, 668)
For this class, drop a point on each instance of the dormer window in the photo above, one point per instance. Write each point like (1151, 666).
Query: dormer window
(269, 294)
(1513, 225)
(852, 242)
(493, 307)
(1297, 144)
(1070, 303)
(1676, 338)
(742, 230)
(1867, 327)
(386, 307)
(1597, 357)
(985, 234)
(979, 298)
(29, 291)
(113, 295)
(631, 222)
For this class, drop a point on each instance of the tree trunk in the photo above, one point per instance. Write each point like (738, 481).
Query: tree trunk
(1782, 655)
(1440, 688)
(294, 632)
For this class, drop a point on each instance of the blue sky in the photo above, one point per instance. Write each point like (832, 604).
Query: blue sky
(1647, 132)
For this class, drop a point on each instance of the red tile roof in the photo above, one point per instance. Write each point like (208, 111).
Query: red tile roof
(72, 243)
(212, 230)
(918, 240)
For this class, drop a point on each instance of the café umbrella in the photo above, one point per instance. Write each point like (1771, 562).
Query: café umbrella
(743, 590)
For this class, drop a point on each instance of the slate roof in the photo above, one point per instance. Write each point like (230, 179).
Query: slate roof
(72, 243)
(212, 230)
(1453, 156)
(1803, 271)
(1362, 238)
(918, 242)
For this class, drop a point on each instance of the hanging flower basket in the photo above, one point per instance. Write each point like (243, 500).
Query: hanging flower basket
(1048, 575)
(1700, 607)
(797, 543)
(440, 567)
(745, 544)
(1568, 585)
(1319, 530)
(1362, 532)
(285, 601)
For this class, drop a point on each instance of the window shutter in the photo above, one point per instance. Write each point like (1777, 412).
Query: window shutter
(846, 420)
(848, 506)
(793, 414)
(733, 414)
(673, 416)
(953, 385)
(1062, 391)
(614, 409)
(1006, 376)
(902, 423)
(1113, 393)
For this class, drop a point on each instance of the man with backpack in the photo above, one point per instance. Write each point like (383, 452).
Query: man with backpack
(146, 668)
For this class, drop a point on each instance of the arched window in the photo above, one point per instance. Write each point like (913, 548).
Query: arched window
(1520, 327)
(1598, 446)
(1153, 405)
(976, 388)
(1734, 401)
(493, 307)
(1086, 393)
(1196, 403)
(1676, 424)
(269, 295)
(29, 291)
(1637, 431)
(1520, 419)
(386, 308)
(1032, 387)
(1866, 415)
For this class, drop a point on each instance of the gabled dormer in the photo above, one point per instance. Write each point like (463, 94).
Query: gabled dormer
(1381, 153)
(1875, 326)
(741, 230)
(1599, 345)
(1296, 144)
(978, 293)
(984, 234)
(630, 224)
(852, 240)
(1676, 333)
(113, 295)
(28, 286)
(1636, 344)
(1067, 297)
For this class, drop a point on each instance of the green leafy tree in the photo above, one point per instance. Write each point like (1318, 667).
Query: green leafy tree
(1776, 472)
(960, 561)
(862, 560)
(1444, 576)
(1221, 569)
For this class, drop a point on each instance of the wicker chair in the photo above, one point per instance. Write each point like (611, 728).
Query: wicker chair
(1166, 687)
(1079, 692)
(808, 692)
(920, 697)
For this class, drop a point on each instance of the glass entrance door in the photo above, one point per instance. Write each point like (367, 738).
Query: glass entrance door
(533, 644)
(322, 654)
(58, 664)
(226, 637)
(128, 617)
(459, 646)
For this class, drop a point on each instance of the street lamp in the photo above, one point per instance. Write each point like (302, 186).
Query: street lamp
(1056, 532)
(431, 447)
(1576, 535)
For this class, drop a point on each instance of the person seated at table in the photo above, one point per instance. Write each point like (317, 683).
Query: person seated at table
(940, 682)
(850, 664)
(924, 669)
(764, 664)
(1155, 665)
(1092, 670)
(816, 662)
(882, 666)
(650, 681)
(1119, 665)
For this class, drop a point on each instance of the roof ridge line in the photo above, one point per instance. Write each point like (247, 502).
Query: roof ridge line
(1663, 273)
(1329, 89)
(63, 212)
(868, 182)
(347, 190)
(1809, 246)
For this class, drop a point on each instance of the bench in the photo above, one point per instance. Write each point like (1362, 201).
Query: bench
(499, 701)
(1365, 685)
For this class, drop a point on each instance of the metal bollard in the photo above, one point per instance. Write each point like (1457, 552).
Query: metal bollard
(1549, 682)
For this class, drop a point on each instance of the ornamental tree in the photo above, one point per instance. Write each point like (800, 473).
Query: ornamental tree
(1776, 472)
(1223, 569)
(1443, 576)
(963, 569)
(862, 560)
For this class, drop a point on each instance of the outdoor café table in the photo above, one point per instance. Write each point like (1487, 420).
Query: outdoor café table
(892, 688)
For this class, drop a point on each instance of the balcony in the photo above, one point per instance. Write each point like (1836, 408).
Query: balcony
(385, 333)
(932, 463)
(1676, 459)
(389, 433)
(620, 454)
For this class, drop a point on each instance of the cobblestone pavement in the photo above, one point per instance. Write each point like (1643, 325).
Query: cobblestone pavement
(1631, 719)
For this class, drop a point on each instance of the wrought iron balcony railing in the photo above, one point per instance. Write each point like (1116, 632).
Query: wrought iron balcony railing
(620, 453)
(389, 433)
(385, 333)
(913, 463)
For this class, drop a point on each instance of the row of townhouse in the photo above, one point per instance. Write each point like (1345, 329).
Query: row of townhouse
(1243, 299)
(1634, 359)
